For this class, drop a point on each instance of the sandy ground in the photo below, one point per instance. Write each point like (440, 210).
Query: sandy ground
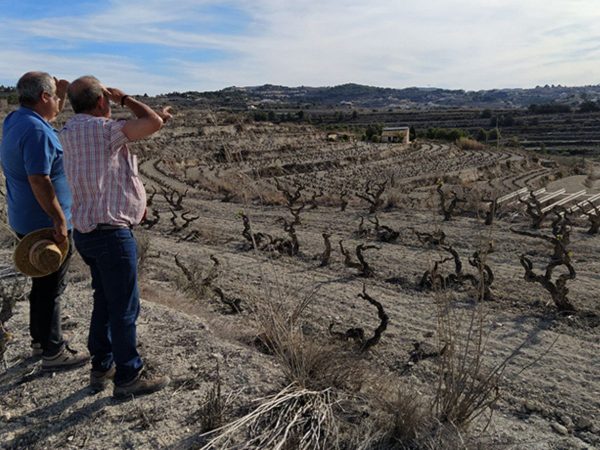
(553, 404)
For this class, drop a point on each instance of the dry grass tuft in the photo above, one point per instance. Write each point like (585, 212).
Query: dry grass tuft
(307, 361)
(469, 144)
(317, 374)
(408, 417)
(194, 280)
(466, 387)
(211, 413)
(294, 418)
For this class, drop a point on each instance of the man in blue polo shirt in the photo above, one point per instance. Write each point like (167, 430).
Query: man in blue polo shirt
(38, 197)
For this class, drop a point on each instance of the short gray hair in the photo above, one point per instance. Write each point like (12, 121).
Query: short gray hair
(84, 93)
(31, 85)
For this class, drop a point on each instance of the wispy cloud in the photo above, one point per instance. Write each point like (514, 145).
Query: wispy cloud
(159, 46)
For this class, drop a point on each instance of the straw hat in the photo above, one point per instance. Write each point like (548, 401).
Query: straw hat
(38, 255)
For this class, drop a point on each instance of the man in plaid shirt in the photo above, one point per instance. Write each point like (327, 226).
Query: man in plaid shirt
(108, 200)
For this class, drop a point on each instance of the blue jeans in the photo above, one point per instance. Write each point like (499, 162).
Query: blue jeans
(112, 257)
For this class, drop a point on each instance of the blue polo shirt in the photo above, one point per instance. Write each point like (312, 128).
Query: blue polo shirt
(30, 146)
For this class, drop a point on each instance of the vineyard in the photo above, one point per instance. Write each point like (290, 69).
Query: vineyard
(570, 133)
(454, 285)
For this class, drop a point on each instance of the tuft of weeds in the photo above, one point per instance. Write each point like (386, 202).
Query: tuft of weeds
(293, 418)
(195, 281)
(408, 418)
(469, 144)
(317, 376)
(211, 413)
(309, 362)
(466, 388)
(400, 418)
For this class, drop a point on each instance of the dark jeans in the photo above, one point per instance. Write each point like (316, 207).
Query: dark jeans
(44, 307)
(112, 257)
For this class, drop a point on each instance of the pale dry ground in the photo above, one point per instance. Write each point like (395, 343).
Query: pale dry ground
(554, 404)
(574, 184)
(563, 387)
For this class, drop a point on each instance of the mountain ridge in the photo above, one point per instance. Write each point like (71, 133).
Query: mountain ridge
(357, 95)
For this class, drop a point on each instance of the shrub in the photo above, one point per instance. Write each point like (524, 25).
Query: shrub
(469, 144)
(588, 106)
(373, 132)
(260, 116)
(549, 108)
(505, 120)
(446, 134)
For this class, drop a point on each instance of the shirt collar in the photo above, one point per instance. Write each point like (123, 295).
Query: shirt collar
(83, 116)
(30, 112)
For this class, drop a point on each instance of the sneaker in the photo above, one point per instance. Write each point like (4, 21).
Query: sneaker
(142, 384)
(65, 359)
(36, 349)
(99, 380)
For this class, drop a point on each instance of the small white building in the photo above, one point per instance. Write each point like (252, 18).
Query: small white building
(396, 134)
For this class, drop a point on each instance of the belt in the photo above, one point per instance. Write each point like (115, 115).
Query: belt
(108, 226)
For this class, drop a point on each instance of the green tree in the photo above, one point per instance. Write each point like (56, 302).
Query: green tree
(493, 134)
(412, 133)
(481, 135)
(259, 116)
(589, 106)
(372, 131)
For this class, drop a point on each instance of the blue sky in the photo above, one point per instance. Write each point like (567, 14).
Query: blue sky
(158, 46)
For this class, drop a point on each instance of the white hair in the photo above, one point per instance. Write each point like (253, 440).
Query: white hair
(31, 85)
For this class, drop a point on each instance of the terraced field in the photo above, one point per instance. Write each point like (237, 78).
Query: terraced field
(255, 155)
(550, 391)
(573, 132)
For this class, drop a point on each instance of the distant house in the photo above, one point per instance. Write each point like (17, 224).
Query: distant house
(395, 134)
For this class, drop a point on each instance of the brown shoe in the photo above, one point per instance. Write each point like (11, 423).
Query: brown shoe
(65, 359)
(142, 384)
(100, 380)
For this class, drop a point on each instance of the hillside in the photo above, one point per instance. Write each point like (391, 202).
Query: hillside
(407, 98)
(241, 305)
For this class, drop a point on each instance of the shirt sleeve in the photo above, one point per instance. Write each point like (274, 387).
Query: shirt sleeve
(39, 152)
(117, 137)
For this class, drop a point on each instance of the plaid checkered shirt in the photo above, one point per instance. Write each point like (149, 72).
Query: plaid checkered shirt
(102, 173)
